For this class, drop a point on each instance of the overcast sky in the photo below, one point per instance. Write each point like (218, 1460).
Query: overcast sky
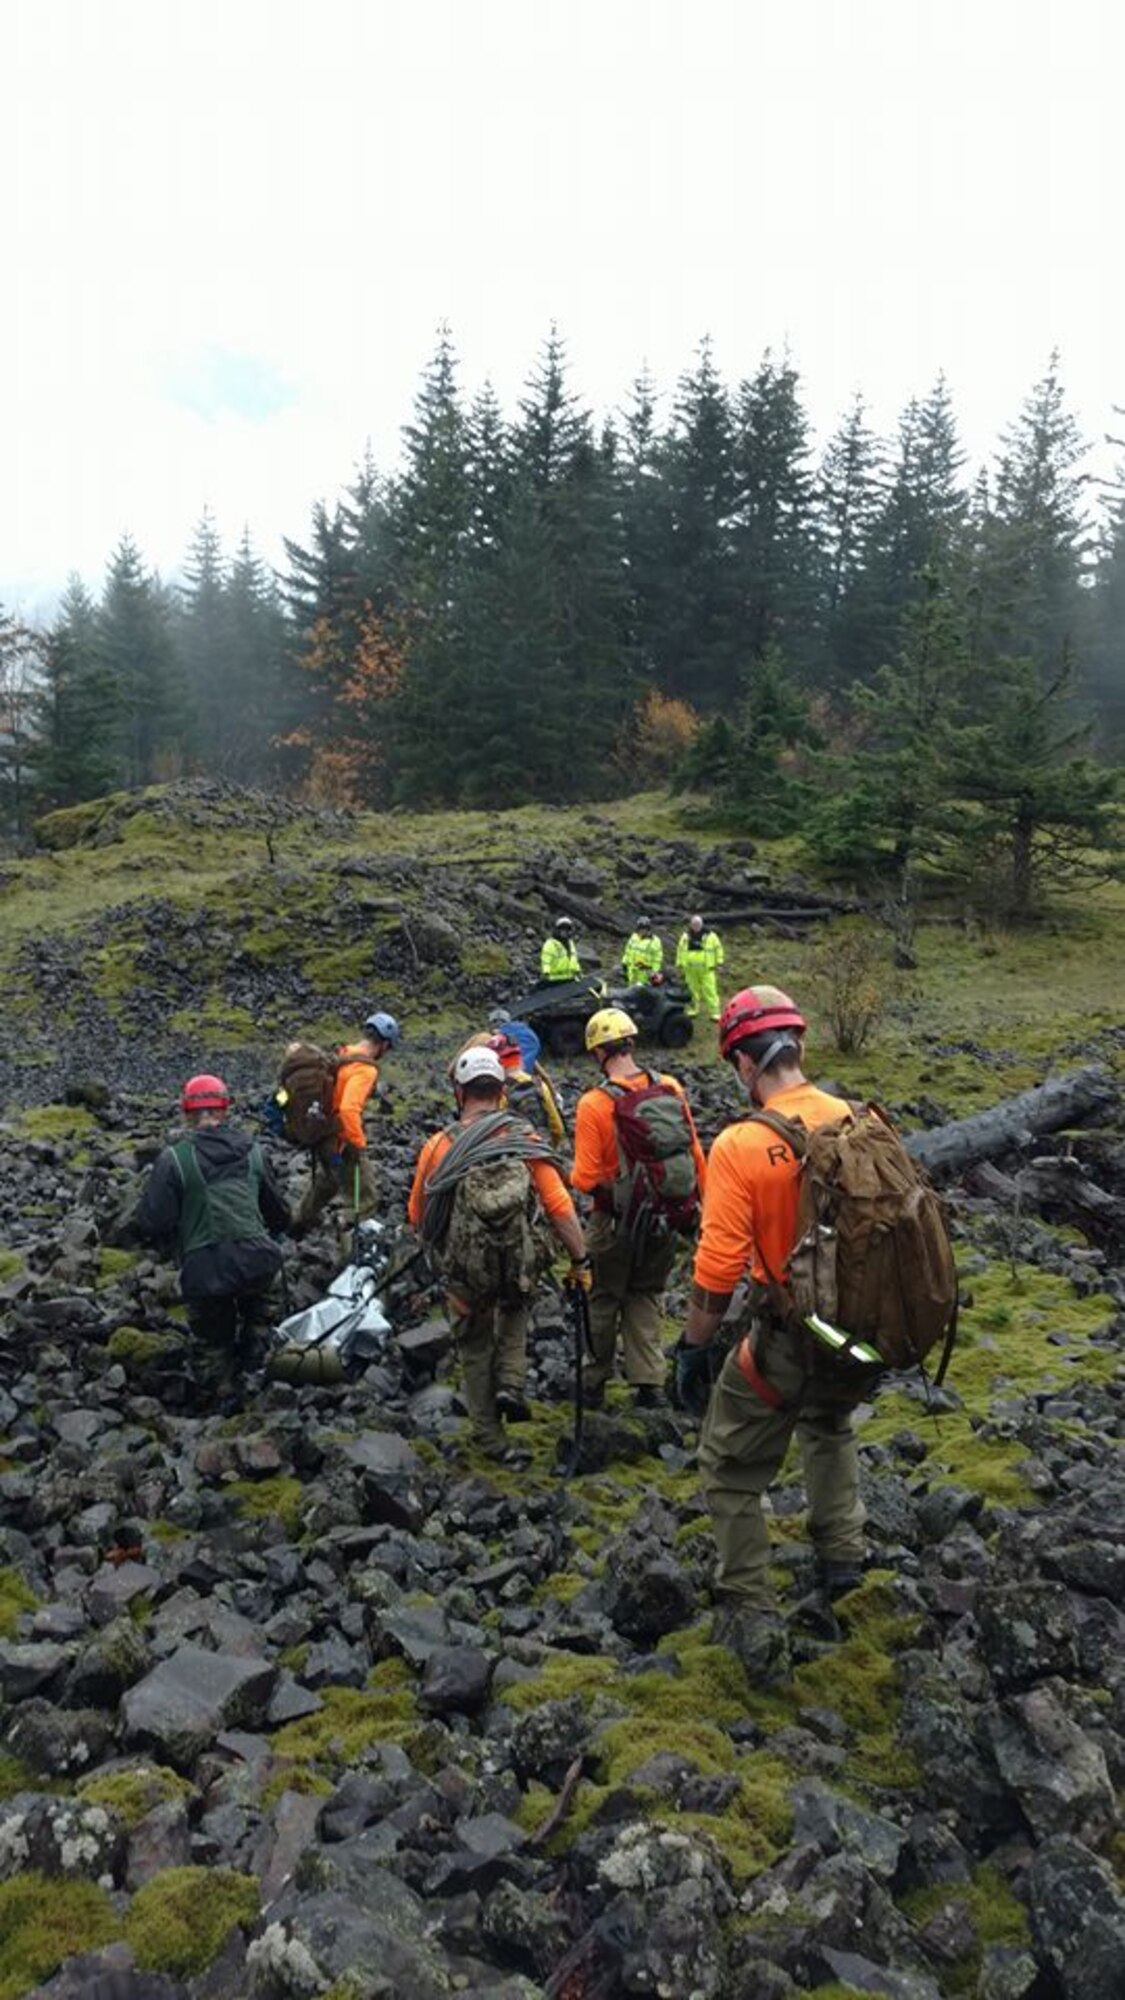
(231, 227)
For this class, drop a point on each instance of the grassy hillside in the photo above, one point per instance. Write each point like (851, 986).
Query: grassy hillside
(192, 918)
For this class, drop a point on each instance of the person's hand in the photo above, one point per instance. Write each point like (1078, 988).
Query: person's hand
(694, 1372)
(580, 1275)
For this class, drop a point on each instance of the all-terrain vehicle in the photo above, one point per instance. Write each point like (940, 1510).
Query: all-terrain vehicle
(560, 1009)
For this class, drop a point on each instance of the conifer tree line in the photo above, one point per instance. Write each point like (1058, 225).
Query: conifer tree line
(543, 606)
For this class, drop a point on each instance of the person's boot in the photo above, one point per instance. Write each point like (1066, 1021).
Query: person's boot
(834, 1578)
(513, 1406)
(593, 1394)
(650, 1396)
(758, 1639)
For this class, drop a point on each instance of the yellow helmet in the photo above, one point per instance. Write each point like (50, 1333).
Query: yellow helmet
(609, 1024)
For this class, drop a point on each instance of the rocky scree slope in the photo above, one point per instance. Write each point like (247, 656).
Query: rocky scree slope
(308, 1700)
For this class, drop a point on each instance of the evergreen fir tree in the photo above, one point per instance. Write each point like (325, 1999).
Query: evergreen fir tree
(136, 635)
(1105, 668)
(773, 512)
(77, 723)
(20, 675)
(701, 641)
(1030, 558)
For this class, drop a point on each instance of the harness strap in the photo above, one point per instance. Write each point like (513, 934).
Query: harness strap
(754, 1378)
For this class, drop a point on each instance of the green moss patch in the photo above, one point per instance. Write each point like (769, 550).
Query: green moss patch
(16, 1596)
(997, 1917)
(45, 1919)
(179, 1921)
(57, 1121)
(135, 1348)
(281, 1497)
(352, 1720)
(134, 1793)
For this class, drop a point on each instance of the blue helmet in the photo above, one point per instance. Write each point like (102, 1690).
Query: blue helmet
(385, 1026)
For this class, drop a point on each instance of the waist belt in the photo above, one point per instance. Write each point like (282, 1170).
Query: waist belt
(754, 1379)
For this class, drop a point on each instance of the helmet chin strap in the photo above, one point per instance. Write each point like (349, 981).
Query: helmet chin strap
(779, 1046)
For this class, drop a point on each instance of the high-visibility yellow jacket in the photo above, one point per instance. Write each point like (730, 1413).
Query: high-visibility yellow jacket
(706, 950)
(558, 960)
(642, 957)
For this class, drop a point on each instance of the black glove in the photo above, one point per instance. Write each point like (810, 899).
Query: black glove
(695, 1371)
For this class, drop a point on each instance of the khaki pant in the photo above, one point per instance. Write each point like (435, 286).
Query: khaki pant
(741, 1448)
(492, 1343)
(629, 1280)
(335, 1175)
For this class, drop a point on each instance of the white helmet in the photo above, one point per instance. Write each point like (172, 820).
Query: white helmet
(473, 1064)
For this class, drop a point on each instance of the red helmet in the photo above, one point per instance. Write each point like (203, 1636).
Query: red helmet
(205, 1093)
(755, 1011)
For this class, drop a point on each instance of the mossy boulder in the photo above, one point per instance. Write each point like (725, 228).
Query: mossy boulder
(180, 1921)
(43, 1921)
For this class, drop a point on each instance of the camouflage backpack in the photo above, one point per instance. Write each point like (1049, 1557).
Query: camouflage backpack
(494, 1245)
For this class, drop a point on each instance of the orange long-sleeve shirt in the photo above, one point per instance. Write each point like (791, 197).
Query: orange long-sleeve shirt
(750, 1203)
(554, 1197)
(595, 1137)
(355, 1081)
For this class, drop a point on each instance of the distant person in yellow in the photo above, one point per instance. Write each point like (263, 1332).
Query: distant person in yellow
(643, 956)
(559, 958)
(699, 955)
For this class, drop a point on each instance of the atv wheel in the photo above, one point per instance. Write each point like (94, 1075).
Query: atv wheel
(564, 1038)
(675, 1032)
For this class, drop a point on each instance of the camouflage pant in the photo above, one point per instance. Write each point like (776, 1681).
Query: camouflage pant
(349, 1176)
(492, 1343)
(226, 1337)
(629, 1280)
(741, 1449)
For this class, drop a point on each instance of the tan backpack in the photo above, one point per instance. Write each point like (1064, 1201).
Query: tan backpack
(871, 1273)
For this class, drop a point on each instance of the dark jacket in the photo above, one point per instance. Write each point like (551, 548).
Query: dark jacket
(222, 1269)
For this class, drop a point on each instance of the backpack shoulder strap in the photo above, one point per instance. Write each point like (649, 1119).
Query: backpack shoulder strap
(790, 1129)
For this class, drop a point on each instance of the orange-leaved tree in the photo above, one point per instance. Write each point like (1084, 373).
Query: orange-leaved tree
(354, 669)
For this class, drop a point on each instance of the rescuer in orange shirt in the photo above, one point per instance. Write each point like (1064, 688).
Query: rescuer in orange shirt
(768, 1387)
(632, 1244)
(489, 1303)
(342, 1163)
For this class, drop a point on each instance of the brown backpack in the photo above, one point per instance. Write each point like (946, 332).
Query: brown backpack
(306, 1085)
(871, 1273)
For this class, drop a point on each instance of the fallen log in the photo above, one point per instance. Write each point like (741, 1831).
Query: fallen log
(949, 1149)
(1059, 1190)
(591, 914)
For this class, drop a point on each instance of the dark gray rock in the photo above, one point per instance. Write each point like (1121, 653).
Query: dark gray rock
(58, 1742)
(391, 1479)
(645, 1592)
(61, 1837)
(1027, 1632)
(112, 1661)
(828, 1820)
(525, 1928)
(852, 1969)
(455, 1680)
(179, 1708)
(310, 1941)
(548, 1739)
(30, 1667)
(944, 1509)
(1056, 1771)
(1078, 1919)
